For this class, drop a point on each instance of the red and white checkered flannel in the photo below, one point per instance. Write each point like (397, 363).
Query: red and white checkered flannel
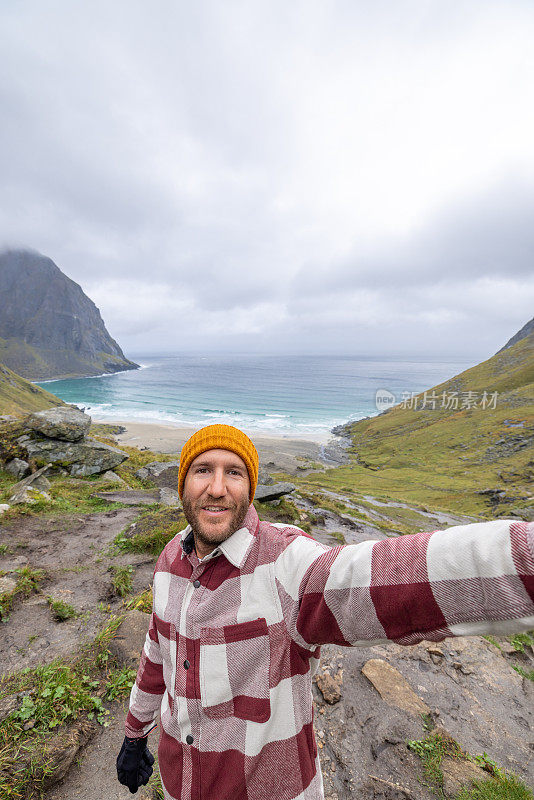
(234, 639)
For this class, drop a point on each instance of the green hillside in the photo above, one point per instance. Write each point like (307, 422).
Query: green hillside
(18, 395)
(444, 457)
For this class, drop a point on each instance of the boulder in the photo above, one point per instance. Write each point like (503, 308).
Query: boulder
(82, 458)
(169, 497)
(156, 469)
(131, 497)
(264, 478)
(64, 422)
(274, 492)
(112, 477)
(128, 642)
(17, 467)
(31, 489)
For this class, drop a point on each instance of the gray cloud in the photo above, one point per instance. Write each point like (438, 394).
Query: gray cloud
(339, 177)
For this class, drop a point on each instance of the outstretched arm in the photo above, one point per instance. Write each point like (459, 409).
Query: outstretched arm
(149, 686)
(466, 580)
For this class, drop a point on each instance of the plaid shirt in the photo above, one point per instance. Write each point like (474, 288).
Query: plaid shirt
(234, 639)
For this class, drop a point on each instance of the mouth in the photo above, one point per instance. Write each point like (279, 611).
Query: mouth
(215, 511)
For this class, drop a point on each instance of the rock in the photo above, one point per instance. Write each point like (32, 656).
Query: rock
(7, 705)
(156, 468)
(7, 585)
(112, 477)
(17, 467)
(392, 687)
(82, 458)
(128, 642)
(264, 478)
(31, 489)
(169, 497)
(274, 492)
(330, 687)
(459, 773)
(63, 748)
(131, 497)
(64, 423)
(3, 508)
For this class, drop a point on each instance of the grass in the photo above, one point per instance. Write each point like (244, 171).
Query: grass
(153, 529)
(122, 579)
(437, 745)
(142, 602)
(521, 640)
(61, 610)
(525, 673)
(28, 581)
(54, 697)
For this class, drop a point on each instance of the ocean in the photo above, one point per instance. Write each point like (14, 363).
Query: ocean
(289, 395)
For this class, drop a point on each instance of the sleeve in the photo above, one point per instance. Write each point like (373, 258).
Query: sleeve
(148, 689)
(466, 580)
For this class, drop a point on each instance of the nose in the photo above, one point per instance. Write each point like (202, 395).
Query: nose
(217, 486)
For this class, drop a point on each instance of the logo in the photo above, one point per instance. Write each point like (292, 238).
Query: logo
(384, 399)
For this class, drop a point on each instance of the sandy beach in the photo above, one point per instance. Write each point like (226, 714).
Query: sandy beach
(281, 452)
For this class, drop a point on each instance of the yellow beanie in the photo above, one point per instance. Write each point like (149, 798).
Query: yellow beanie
(225, 437)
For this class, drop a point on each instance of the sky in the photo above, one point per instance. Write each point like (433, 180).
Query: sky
(264, 176)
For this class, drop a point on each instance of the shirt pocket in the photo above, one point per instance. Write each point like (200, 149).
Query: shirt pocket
(234, 671)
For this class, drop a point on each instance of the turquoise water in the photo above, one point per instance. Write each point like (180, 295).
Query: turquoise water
(274, 394)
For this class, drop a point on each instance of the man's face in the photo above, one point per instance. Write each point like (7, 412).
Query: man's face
(215, 497)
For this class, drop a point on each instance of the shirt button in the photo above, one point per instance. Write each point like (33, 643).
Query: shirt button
(196, 584)
(189, 739)
(186, 664)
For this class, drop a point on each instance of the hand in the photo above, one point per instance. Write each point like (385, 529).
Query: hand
(134, 763)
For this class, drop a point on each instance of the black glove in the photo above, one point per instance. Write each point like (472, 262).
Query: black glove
(134, 763)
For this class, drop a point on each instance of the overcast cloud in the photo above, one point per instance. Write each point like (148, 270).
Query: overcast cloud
(269, 176)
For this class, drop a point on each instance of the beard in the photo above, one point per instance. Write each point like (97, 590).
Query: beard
(212, 533)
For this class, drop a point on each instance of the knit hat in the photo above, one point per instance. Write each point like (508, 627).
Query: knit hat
(225, 437)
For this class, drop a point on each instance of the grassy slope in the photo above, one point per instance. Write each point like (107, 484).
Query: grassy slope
(17, 395)
(439, 458)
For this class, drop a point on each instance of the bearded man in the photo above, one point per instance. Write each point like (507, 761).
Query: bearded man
(241, 607)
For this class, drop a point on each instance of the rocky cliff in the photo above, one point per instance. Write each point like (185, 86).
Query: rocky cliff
(48, 327)
(526, 330)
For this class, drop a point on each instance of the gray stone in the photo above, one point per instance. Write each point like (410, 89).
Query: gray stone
(64, 422)
(83, 458)
(169, 497)
(7, 585)
(274, 492)
(128, 642)
(31, 489)
(7, 705)
(459, 774)
(392, 687)
(112, 477)
(155, 469)
(17, 467)
(264, 478)
(3, 508)
(131, 497)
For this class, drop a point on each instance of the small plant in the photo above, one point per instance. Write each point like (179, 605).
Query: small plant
(143, 601)
(28, 580)
(61, 610)
(338, 535)
(522, 640)
(122, 579)
(528, 674)
(507, 788)
(3, 549)
(119, 683)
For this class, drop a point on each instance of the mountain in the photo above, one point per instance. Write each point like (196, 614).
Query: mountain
(48, 327)
(18, 395)
(525, 331)
(465, 445)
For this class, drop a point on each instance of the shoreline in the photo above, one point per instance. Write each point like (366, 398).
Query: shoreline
(284, 452)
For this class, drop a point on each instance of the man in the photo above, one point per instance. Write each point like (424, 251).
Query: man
(241, 607)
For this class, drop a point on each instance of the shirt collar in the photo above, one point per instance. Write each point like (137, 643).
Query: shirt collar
(237, 546)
